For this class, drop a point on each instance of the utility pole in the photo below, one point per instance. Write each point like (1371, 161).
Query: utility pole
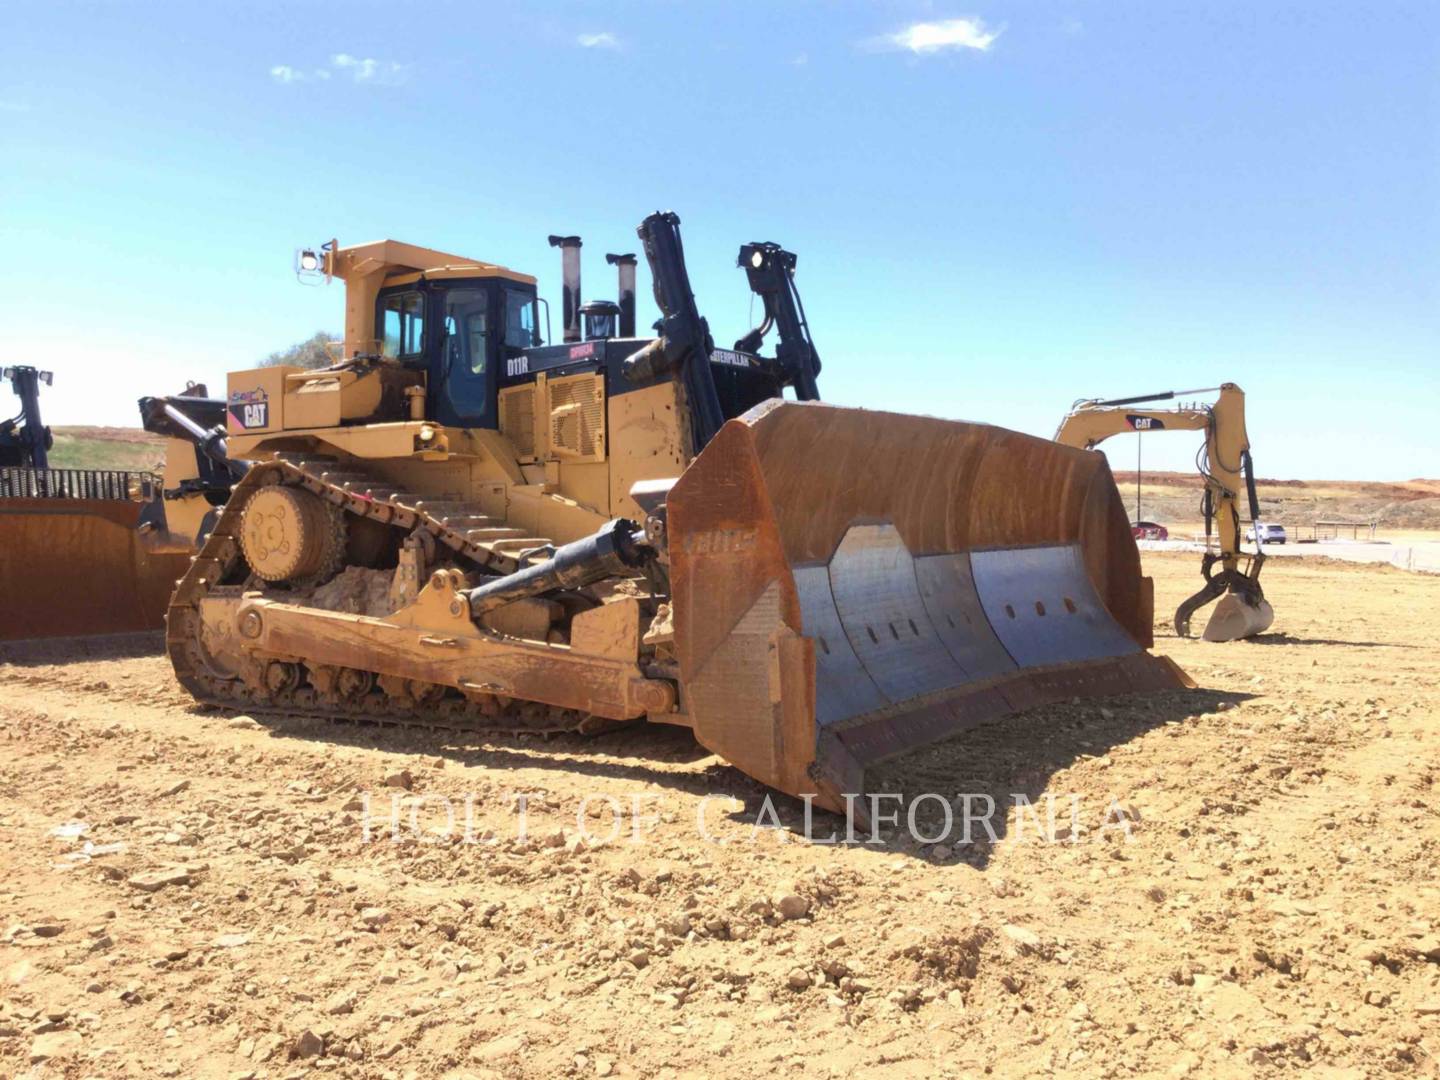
(1139, 434)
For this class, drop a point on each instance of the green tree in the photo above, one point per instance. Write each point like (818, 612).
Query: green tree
(310, 353)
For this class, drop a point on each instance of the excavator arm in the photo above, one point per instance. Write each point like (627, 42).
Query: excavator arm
(1226, 467)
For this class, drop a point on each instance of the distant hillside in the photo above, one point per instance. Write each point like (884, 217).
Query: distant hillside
(1166, 497)
(1410, 504)
(106, 448)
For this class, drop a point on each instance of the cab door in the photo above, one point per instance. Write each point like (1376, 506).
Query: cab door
(466, 360)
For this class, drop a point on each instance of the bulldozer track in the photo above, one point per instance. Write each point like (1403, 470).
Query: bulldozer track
(471, 537)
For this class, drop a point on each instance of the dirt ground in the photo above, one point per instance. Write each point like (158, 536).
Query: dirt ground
(190, 893)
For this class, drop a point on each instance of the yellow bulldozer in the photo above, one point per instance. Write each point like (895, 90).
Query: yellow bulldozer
(1225, 466)
(88, 552)
(82, 551)
(463, 525)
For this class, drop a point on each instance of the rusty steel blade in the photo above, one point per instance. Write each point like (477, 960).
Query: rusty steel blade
(849, 585)
(80, 566)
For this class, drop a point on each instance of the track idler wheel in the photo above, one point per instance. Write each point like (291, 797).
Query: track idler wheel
(292, 535)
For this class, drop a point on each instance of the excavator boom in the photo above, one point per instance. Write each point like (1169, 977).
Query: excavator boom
(1226, 468)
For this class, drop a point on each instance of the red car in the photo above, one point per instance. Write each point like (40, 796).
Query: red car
(1149, 530)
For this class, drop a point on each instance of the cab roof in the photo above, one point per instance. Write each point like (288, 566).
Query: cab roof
(402, 263)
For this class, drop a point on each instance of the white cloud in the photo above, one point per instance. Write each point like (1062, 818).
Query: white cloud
(360, 69)
(14, 106)
(924, 38)
(800, 59)
(602, 40)
(284, 73)
(368, 69)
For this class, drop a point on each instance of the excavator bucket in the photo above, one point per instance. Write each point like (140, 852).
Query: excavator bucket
(850, 585)
(1237, 617)
(80, 566)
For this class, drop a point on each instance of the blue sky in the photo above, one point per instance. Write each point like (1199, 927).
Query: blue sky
(998, 208)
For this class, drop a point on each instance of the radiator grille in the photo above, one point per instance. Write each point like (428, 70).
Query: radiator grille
(577, 417)
(517, 418)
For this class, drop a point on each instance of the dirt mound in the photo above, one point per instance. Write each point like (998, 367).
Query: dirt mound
(1413, 504)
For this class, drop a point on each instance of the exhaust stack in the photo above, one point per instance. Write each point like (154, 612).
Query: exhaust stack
(625, 268)
(570, 284)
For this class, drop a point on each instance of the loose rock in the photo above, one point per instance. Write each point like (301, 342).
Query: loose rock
(306, 1044)
(55, 1044)
(155, 880)
(791, 905)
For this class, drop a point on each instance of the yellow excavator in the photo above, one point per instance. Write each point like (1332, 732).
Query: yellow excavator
(460, 524)
(1225, 465)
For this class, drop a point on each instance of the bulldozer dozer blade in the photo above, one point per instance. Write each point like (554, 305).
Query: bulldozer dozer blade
(80, 566)
(1235, 617)
(850, 585)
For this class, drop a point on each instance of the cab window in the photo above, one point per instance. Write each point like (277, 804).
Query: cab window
(466, 330)
(402, 324)
(520, 320)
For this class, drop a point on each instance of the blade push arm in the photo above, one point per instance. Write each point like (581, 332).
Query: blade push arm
(176, 418)
(193, 418)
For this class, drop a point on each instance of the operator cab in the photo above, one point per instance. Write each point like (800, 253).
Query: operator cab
(461, 331)
(471, 329)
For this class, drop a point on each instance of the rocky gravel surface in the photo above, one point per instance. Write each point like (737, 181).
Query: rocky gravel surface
(1235, 879)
